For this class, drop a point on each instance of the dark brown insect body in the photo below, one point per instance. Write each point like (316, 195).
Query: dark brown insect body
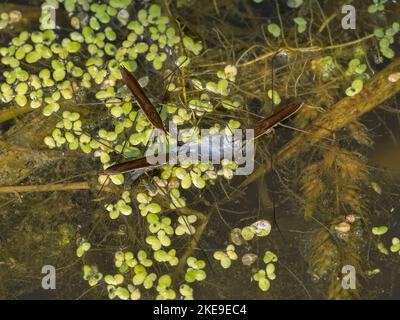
(132, 165)
(147, 107)
(266, 125)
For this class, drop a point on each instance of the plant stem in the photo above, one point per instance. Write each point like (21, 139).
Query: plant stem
(307, 49)
(46, 187)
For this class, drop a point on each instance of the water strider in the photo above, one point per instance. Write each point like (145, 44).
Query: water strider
(141, 165)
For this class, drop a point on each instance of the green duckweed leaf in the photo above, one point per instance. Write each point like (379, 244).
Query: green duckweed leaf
(301, 24)
(274, 29)
(378, 231)
(274, 95)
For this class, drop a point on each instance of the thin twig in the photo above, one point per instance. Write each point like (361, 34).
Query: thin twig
(46, 187)
(308, 49)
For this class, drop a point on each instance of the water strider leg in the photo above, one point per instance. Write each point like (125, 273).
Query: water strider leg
(303, 131)
(273, 188)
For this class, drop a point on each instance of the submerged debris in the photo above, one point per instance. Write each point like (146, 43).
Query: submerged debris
(394, 77)
(262, 228)
(376, 187)
(236, 237)
(249, 258)
(342, 227)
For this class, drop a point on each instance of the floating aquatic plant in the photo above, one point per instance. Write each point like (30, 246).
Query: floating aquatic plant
(260, 228)
(378, 231)
(294, 3)
(9, 18)
(146, 205)
(386, 38)
(195, 270)
(382, 249)
(264, 276)
(225, 258)
(395, 247)
(106, 51)
(274, 96)
(186, 225)
(186, 291)
(121, 207)
(124, 261)
(301, 24)
(263, 282)
(91, 275)
(83, 247)
(163, 288)
(274, 29)
(357, 69)
(377, 6)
